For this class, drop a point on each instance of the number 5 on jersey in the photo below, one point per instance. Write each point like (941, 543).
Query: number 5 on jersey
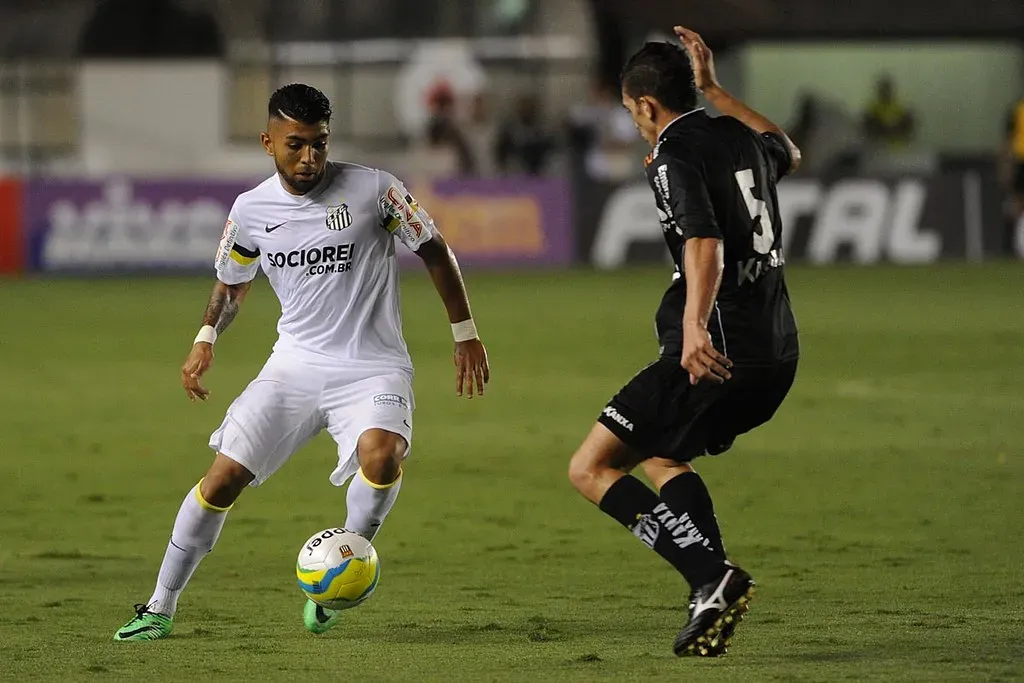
(764, 240)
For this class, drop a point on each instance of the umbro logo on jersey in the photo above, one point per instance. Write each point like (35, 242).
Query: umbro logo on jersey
(272, 229)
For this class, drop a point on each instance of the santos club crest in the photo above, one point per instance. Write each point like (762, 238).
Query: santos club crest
(338, 217)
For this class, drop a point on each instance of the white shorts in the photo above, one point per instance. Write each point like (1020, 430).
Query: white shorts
(293, 398)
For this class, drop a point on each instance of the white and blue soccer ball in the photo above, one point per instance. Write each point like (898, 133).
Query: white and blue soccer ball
(337, 569)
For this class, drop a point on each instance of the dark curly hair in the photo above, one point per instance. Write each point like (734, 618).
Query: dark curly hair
(662, 71)
(300, 102)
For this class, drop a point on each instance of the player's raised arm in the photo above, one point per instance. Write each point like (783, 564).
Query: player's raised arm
(706, 81)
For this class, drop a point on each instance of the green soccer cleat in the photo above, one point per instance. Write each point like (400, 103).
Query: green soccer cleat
(145, 625)
(319, 619)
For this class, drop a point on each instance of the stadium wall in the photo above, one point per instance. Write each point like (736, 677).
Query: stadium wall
(958, 111)
(123, 224)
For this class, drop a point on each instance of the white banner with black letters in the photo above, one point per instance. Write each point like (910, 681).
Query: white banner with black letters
(863, 220)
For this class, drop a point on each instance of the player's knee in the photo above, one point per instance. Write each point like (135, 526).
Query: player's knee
(380, 455)
(582, 471)
(224, 482)
(660, 471)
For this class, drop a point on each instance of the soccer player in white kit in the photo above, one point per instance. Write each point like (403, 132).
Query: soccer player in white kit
(324, 233)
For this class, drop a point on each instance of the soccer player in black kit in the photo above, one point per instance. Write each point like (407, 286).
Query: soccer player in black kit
(727, 336)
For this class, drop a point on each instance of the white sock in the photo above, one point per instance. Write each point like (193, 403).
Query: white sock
(368, 504)
(195, 532)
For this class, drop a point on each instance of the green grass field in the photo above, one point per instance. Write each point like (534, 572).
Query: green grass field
(880, 511)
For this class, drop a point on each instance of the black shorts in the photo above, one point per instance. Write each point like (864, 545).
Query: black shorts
(660, 414)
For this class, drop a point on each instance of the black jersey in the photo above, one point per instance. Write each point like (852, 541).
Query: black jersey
(715, 177)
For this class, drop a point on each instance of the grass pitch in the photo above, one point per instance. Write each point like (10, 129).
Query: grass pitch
(880, 511)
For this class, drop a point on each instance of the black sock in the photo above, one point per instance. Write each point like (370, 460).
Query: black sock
(676, 539)
(686, 494)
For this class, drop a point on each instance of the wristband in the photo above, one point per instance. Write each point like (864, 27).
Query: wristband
(464, 331)
(206, 334)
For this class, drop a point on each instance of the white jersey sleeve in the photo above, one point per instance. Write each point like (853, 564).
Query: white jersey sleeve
(400, 214)
(238, 259)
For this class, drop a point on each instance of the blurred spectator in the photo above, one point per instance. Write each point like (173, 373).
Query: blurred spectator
(888, 122)
(443, 130)
(480, 133)
(523, 144)
(150, 29)
(450, 65)
(444, 151)
(803, 127)
(826, 134)
(603, 132)
(1012, 173)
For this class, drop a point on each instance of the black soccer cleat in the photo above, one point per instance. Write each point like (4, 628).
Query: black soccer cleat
(716, 609)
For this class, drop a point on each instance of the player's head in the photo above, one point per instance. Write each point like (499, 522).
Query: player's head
(657, 86)
(297, 136)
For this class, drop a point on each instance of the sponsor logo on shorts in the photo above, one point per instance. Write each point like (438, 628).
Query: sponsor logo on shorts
(346, 551)
(616, 416)
(316, 261)
(390, 400)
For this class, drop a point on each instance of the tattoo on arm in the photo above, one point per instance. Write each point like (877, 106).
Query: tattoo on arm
(224, 304)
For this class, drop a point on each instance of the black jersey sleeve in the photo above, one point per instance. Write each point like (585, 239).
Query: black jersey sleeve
(683, 191)
(779, 158)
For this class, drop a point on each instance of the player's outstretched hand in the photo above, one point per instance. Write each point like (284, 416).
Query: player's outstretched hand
(471, 367)
(197, 363)
(701, 359)
(701, 59)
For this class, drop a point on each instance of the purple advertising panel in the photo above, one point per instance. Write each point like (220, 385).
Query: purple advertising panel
(122, 224)
(496, 223)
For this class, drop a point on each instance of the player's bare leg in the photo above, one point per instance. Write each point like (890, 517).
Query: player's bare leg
(661, 470)
(600, 461)
(600, 471)
(196, 529)
(224, 482)
(371, 495)
(719, 592)
(374, 489)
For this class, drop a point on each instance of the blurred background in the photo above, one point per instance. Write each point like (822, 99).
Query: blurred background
(127, 126)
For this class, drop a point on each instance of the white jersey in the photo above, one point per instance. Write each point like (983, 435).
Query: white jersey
(330, 258)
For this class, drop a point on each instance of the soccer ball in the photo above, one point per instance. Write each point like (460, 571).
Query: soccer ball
(337, 569)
